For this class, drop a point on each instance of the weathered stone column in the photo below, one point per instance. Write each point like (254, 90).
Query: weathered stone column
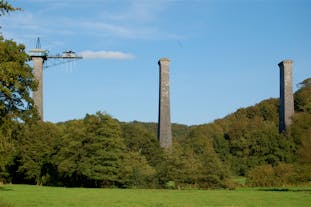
(38, 74)
(286, 95)
(164, 123)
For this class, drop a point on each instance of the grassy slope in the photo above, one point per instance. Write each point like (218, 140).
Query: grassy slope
(26, 195)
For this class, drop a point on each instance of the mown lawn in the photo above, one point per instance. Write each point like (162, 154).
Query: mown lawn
(27, 195)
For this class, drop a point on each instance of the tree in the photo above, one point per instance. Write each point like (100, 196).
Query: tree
(5, 8)
(16, 82)
(7, 149)
(136, 172)
(37, 142)
(214, 173)
(92, 152)
(303, 97)
(142, 141)
(301, 133)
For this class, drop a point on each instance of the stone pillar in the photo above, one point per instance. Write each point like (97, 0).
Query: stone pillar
(164, 122)
(286, 95)
(38, 75)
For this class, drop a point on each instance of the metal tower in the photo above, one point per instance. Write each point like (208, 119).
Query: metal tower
(39, 56)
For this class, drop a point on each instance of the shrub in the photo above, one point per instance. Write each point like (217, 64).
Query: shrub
(268, 176)
(285, 174)
(303, 173)
(261, 176)
(170, 185)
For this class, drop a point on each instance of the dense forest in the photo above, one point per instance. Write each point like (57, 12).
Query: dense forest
(101, 151)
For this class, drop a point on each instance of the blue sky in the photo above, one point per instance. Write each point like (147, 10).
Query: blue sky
(223, 53)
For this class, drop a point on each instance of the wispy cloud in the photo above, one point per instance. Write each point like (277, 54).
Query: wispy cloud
(107, 28)
(106, 20)
(138, 11)
(88, 54)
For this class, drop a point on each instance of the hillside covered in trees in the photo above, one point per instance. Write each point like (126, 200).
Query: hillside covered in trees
(100, 151)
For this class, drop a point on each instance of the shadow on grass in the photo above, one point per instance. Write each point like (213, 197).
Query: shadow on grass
(2, 204)
(286, 189)
(5, 189)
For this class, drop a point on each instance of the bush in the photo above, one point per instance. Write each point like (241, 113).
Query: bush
(268, 176)
(303, 173)
(170, 185)
(261, 176)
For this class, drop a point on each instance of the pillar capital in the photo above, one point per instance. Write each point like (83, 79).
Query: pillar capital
(163, 61)
(285, 62)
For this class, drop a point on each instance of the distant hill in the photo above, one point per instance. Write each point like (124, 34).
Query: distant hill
(250, 137)
(101, 151)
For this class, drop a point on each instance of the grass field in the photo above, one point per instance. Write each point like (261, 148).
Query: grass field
(27, 195)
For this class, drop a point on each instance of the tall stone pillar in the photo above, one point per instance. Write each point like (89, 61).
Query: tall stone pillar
(164, 123)
(286, 95)
(38, 75)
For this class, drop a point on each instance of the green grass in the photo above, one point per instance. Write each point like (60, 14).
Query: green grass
(27, 195)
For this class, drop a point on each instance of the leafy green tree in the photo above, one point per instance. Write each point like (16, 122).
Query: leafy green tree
(16, 82)
(139, 139)
(304, 151)
(193, 162)
(253, 138)
(7, 148)
(301, 127)
(214, 173)
(256, 143)
(181, 168)
(303, 97)
(92, 152)
(16, 79)
(301, 132)
(136, 172)
(69, 152)
(36, 143)
(220, 144)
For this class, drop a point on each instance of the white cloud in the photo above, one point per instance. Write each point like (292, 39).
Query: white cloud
(88, 54)
(105, 28)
